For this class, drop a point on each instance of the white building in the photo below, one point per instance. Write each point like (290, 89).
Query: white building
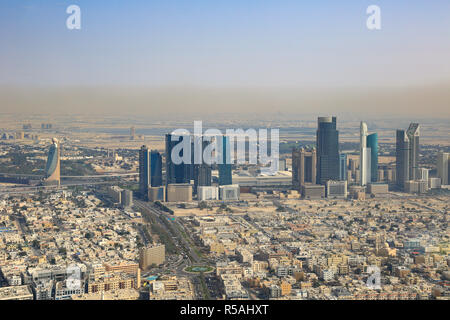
(337, 189)
(207, 193)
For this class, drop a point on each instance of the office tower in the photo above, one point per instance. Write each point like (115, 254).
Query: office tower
(144, 172)
(372, 144)
(413, 134)
(155, 169)
(443, 166)
(407, 154)
(303, 167)
(53, 167)
(152, 255)
(201, 172)
(177, 173)
(132, 133)
(402, 158)
(364, 156)
(225, 174)
(343, 167)
(327, 143)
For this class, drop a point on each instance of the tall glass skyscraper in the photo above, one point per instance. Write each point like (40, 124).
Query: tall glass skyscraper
(413, 134)
(225, 174)
(144, 171)
(156, 168)
(402, 158)
(407, 154)
(177, 173)
(372, 143)
(327, 142)
(343, 168)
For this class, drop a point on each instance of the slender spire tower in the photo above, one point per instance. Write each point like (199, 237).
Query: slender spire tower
(364, 156)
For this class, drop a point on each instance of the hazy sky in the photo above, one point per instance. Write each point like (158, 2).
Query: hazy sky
(233, 43)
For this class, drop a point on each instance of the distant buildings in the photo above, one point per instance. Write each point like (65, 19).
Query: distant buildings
(327, 143)
(53, 167)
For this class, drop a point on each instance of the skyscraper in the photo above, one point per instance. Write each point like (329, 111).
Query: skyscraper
(303, 167)
(402, 158)
(443, 166)
(144, 172)
(225, 173)
(177, 173)
(201, 172)
(413, 133)
(364, 156)
(372, 143)
(407, 154)
(155, 169)
(343, 167)
(53, 166)
(327, 142)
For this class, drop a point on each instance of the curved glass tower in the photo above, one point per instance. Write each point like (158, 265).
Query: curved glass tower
(52, 169)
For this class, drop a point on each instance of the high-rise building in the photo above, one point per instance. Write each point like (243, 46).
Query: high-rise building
(225, 174)
(177, 173)
(303, 167)
(327, 144)
(364, 157)
(201, 172)
(413, 133)
(343, 167)
(144, 172)
(443, 167)
(53, 167)
(407, 154)
(402, 158)
(372, 143)
(156, 169)
(132, 133)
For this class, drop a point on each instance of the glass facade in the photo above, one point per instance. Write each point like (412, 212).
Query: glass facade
(372, 143)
